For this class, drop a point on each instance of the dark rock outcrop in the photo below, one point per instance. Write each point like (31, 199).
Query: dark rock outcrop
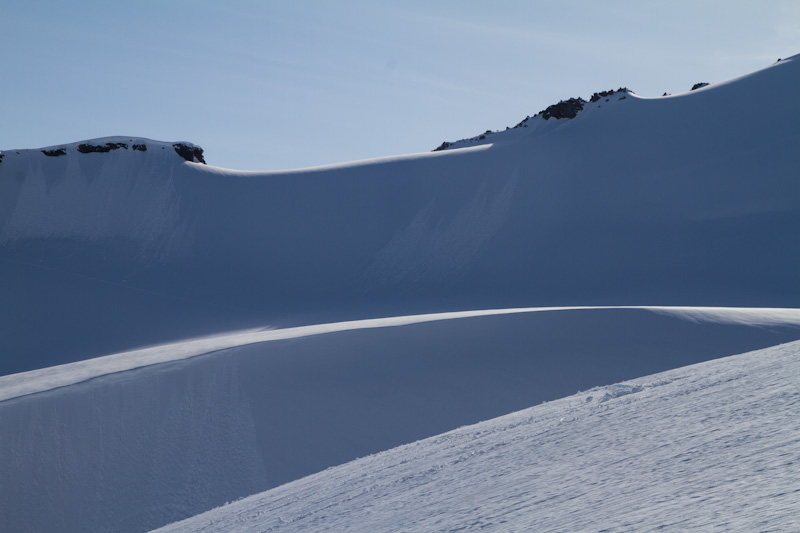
(605, 94)
(602, 94)
(523, 123)
(55, 153)
(698, 85)
(139, 147)
(107, 147)
(564, 109)
(193, 154)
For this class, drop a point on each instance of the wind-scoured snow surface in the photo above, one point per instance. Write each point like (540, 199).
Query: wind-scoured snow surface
(709, 447)
(686, 200)
(174, 335)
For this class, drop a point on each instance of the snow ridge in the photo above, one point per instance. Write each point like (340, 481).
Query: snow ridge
(188, 151)
(565, 109)
(54, 377)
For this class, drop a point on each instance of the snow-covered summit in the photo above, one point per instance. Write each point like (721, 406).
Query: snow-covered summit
(574, 108)
(116, 192)
(188, 151)
(565, 109)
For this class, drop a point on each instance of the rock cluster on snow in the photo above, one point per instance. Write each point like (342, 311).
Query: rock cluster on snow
(698, 85)
(445, 145)
(604, 94)
(187, 151)
(565, 109)
(86, 148)
(193, 154)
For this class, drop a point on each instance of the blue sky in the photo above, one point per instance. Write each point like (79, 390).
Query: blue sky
(273, 85)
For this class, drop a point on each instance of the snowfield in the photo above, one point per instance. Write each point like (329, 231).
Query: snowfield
(709, 447)
(175, 336)
(108, 448)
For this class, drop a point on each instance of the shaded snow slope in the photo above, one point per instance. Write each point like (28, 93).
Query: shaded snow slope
(137, 449)
(687, 200)
(710, 447)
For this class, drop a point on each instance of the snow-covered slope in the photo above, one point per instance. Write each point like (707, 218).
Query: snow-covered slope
(709, 447)
(279, 281)
(102, 448)
(684, 200)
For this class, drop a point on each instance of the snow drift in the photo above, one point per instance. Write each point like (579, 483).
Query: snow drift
(684, 200)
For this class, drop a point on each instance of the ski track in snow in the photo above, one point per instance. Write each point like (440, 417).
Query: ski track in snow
(708, 447)
(35, 381)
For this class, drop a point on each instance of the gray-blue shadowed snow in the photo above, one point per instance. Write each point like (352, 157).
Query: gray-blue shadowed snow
(687, 200)
(139, 449)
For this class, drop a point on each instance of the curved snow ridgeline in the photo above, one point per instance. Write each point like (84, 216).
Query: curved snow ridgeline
(684, 200)
(50, 378)
(134, 449)
(558, 115)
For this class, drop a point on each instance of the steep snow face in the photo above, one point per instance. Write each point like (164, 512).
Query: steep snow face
(685, 200)
(113, 189)
(75, 220)
(102, 446)
(711, 447)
